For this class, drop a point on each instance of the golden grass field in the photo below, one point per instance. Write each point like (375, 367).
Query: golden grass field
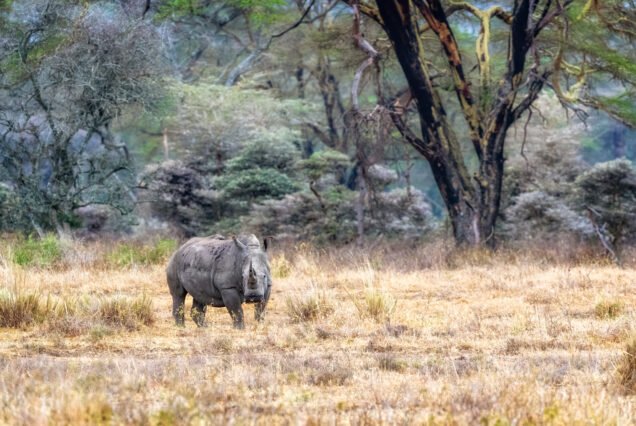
(349, 338)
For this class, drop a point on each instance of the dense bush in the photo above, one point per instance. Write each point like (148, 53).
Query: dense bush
(537, 214)
(180, 194)
(253, 184)
(607, 192)
(299, 216)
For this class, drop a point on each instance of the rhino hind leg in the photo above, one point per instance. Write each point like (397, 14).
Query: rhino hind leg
(178, 304)
(198, 313)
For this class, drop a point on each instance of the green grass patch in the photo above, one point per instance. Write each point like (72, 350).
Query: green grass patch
(43, 252)
(129, 254)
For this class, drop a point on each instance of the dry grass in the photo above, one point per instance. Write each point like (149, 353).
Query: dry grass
(627, 368)
(309, 304)
(406, 338)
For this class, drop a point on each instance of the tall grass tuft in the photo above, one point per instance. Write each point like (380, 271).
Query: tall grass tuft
(280, 266)
(313, 305)
(18, 309)
(376, 304)
(627, 368)
(126, 312)
(608, 309)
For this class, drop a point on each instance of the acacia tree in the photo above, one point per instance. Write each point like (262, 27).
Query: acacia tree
(540, 53)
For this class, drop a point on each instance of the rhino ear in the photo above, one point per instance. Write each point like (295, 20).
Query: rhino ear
(238, 243)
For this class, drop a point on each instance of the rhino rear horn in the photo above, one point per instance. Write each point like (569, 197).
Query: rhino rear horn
(239, 243)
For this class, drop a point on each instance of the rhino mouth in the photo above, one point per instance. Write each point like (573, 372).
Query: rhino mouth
(253, 299)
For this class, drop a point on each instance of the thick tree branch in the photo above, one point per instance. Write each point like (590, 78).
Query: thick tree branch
(367, 10)
(435, 16)
(366, 47)
(296, 24)
(535, 85)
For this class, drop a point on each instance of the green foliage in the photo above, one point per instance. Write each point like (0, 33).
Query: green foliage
(622, 106)
(278, 155)
(299, 216)
(38, 252)
(213, 119)
(178, 8)
(323, 162)
(259, 12)
(78, 65)
(255, 183)
(130, 254)
(262, 12)
(262, 169)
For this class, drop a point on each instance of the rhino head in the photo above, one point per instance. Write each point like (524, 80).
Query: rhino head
(255, 269)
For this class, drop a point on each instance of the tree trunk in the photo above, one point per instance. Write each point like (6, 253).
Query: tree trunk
(472, 209)
(472, 199)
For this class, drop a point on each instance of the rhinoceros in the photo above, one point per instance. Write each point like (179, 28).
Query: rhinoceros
(220, 272)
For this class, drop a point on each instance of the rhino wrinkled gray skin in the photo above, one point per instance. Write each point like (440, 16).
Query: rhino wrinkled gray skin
(219, 272)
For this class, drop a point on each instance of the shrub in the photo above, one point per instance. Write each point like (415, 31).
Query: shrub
(255, 183)
(43, 252)
(538, 210)
(280, 155)
(179, 193)
(608, 192)
(332, 219)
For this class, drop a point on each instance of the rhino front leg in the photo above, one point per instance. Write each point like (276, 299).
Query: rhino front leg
(232, 302)
(198, 313)
(259, 309)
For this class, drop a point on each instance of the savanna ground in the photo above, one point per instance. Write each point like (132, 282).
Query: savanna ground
(404, 336)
